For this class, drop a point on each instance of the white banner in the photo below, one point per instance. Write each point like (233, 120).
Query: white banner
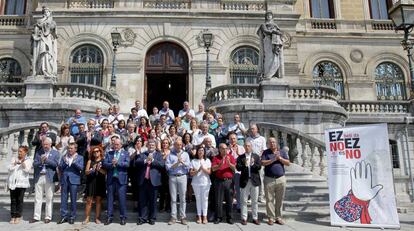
(361, 189)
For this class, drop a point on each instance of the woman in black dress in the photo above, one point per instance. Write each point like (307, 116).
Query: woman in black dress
(95, 183)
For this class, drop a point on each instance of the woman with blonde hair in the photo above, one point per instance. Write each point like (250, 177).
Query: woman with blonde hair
(18, 182)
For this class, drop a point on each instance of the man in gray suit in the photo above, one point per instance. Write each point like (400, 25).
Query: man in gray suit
(45, 163)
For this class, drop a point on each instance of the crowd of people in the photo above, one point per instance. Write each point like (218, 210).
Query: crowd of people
(162, 159)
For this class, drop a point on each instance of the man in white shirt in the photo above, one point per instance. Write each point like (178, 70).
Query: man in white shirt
(258, 146)
(167, 112)
(141, 111)
(238, 127)
(200, 114)
(199, 138)
(115, 117)
(98, 117)
(186, 110)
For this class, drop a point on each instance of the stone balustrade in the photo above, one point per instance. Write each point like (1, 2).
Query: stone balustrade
(95, 4)
(83, 91)
(383, 25)
(12, 20)
(304, 150)
(339, 25)
(22, 134)
(387, 107)
(12, 90)
(323, 24)
(233, 91)
(167, 4)
(248, 5)
(309, 92)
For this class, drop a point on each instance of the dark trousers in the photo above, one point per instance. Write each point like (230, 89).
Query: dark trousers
(212, 199)
(223, 190)
(147, 201)
(116, 187)
(165, 198)
(16, 202)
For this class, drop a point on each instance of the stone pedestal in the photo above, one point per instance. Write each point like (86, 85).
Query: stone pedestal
(273, 91)
(39, 89)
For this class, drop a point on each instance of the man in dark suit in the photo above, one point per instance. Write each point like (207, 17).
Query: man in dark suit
(70, 167)
(249, 165)
(45, 162)
(41, 135)
(149, 166)
(116, 163)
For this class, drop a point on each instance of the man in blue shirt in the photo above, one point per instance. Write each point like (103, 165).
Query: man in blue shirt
(178, 165)
(275, 181)
(74, 122)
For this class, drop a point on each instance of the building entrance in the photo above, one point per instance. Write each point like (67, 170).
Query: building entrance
(166, 76)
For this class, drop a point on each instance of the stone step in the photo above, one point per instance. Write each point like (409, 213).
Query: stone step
(300, 196)
(301, 206)
(306, 189)
(306, 182)
(165, 216)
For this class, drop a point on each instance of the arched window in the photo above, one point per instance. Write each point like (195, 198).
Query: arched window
(243, 65)
(327, 73)
(86, 65)
(10, 70)
(390, 83)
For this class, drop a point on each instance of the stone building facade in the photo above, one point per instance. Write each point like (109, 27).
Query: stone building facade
(347, 45)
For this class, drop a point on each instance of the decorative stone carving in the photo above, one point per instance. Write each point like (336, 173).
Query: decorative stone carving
(271, 49)
(356, 56)
(44, 41)
(129, 37)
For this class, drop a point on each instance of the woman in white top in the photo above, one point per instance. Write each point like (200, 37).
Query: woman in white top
(64, 139)
(200, 171)
(18, 182)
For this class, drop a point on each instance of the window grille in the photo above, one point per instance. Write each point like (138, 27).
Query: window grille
(86, 65)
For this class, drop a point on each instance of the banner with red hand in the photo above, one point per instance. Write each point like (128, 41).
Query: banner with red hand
(360, 177)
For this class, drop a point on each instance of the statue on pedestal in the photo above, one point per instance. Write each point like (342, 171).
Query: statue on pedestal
(44, 44)
(271, 49)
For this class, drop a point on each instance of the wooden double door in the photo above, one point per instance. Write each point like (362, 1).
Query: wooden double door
(166, 76)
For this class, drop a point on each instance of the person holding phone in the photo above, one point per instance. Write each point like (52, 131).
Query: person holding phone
(275, 181)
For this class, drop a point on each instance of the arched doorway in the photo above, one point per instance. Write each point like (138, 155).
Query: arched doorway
(166, 76)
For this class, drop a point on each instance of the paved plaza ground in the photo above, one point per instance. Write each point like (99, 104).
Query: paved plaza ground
(292, 223)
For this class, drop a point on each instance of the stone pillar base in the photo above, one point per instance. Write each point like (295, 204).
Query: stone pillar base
(272, 91)
(39, 89)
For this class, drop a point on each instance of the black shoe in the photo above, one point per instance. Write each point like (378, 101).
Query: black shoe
(123, 221)
(33, 221)
(71, 221)
(217, 221)
(151, 222)
(139, 222)
(108, 221)
(63, 220)
(230, 221)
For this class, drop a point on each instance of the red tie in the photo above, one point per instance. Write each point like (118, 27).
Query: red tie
(147, 172)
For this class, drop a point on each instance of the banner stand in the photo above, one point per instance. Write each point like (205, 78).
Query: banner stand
(360, 177)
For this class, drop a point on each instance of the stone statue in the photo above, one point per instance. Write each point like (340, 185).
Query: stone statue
(45, 46)
(271, 49)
